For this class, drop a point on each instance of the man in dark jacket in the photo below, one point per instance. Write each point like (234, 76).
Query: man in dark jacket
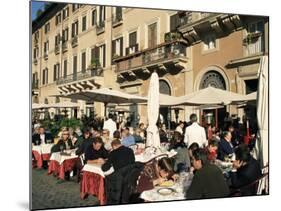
(42, 137)
(225, 147)
(119, 157)
(96, 153)
(86, 142)
(246, 171)
(208, 181)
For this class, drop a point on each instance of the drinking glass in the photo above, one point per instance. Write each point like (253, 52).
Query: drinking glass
(61, 148)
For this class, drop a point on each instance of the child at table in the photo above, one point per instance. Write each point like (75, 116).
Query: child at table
(155, 173)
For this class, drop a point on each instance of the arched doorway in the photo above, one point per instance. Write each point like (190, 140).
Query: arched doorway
(164, 112)
(213, 116)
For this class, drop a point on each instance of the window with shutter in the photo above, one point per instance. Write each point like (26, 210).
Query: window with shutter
(121, 46)
(152, 35)
(94, 17)
(64, 68)
(72, 30)
(83, 62)
(74, 67)
(113, 48)
(43, 79)
(104, 55)
(84, 21)
(76, 31)
(132, 39)
(174, 22)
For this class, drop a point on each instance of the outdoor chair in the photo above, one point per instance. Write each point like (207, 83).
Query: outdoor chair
(242, 191)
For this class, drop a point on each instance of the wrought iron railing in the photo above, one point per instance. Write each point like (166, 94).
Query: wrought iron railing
(64, 46)
(100, 27)
(117, 18)
(80, 76)
(57, 48)
(35, 84)
(165, 51)
(74, 41)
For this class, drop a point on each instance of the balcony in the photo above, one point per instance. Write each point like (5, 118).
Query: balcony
(195, 25)
(132, 49)
(166, 57)
(45, 55)
(254, 43)
(117, 20)
(35, 87)
(64, 46)
(57, 49)
(100, 27)
(35, 84)
(79, 76)
(74, 41)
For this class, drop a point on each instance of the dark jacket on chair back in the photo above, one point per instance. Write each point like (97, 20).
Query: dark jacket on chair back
(246, 175)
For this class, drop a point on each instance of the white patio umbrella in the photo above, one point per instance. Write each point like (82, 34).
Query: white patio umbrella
(153, 138)
(210, 96)
(167, 100)
(105, 95)
(262, 112)
(36, 106)
(64, 104)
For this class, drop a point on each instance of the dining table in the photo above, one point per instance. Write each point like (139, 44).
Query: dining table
(62, 162)
(41, 153)
(92, 182)
(169, 193)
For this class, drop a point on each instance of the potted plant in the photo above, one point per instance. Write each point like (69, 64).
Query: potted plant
(95, 63)
(251, 37)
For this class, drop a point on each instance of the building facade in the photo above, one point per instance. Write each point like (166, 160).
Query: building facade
(78, 47)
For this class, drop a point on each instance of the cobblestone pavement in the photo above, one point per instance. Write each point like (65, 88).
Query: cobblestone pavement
(49, 192)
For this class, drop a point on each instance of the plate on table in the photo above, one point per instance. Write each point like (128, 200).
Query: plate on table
(165, 191)
(168, 183)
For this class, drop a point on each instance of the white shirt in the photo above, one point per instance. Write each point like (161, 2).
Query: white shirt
(111, 126)
(42, 137)
(195, 133)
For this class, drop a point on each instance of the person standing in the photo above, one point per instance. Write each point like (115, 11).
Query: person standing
(195, 133)
(119, 157)
(110, 125)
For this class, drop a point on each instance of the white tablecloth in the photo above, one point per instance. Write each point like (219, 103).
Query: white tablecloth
(96, 168)
(60, 158)
(143, 158)
(43, 148)
(179, 190)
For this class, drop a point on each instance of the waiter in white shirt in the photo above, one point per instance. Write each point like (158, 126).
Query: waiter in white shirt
(195, 133)
(110, 125)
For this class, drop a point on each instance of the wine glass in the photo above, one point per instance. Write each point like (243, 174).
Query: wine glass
(61, 148)
(37, 142)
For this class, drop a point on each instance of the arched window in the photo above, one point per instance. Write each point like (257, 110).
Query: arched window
(214, 79)
(164, 87)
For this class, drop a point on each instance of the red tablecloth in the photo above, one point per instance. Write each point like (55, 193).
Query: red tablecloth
(60, 169)
(92, 184)
(40, 158)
